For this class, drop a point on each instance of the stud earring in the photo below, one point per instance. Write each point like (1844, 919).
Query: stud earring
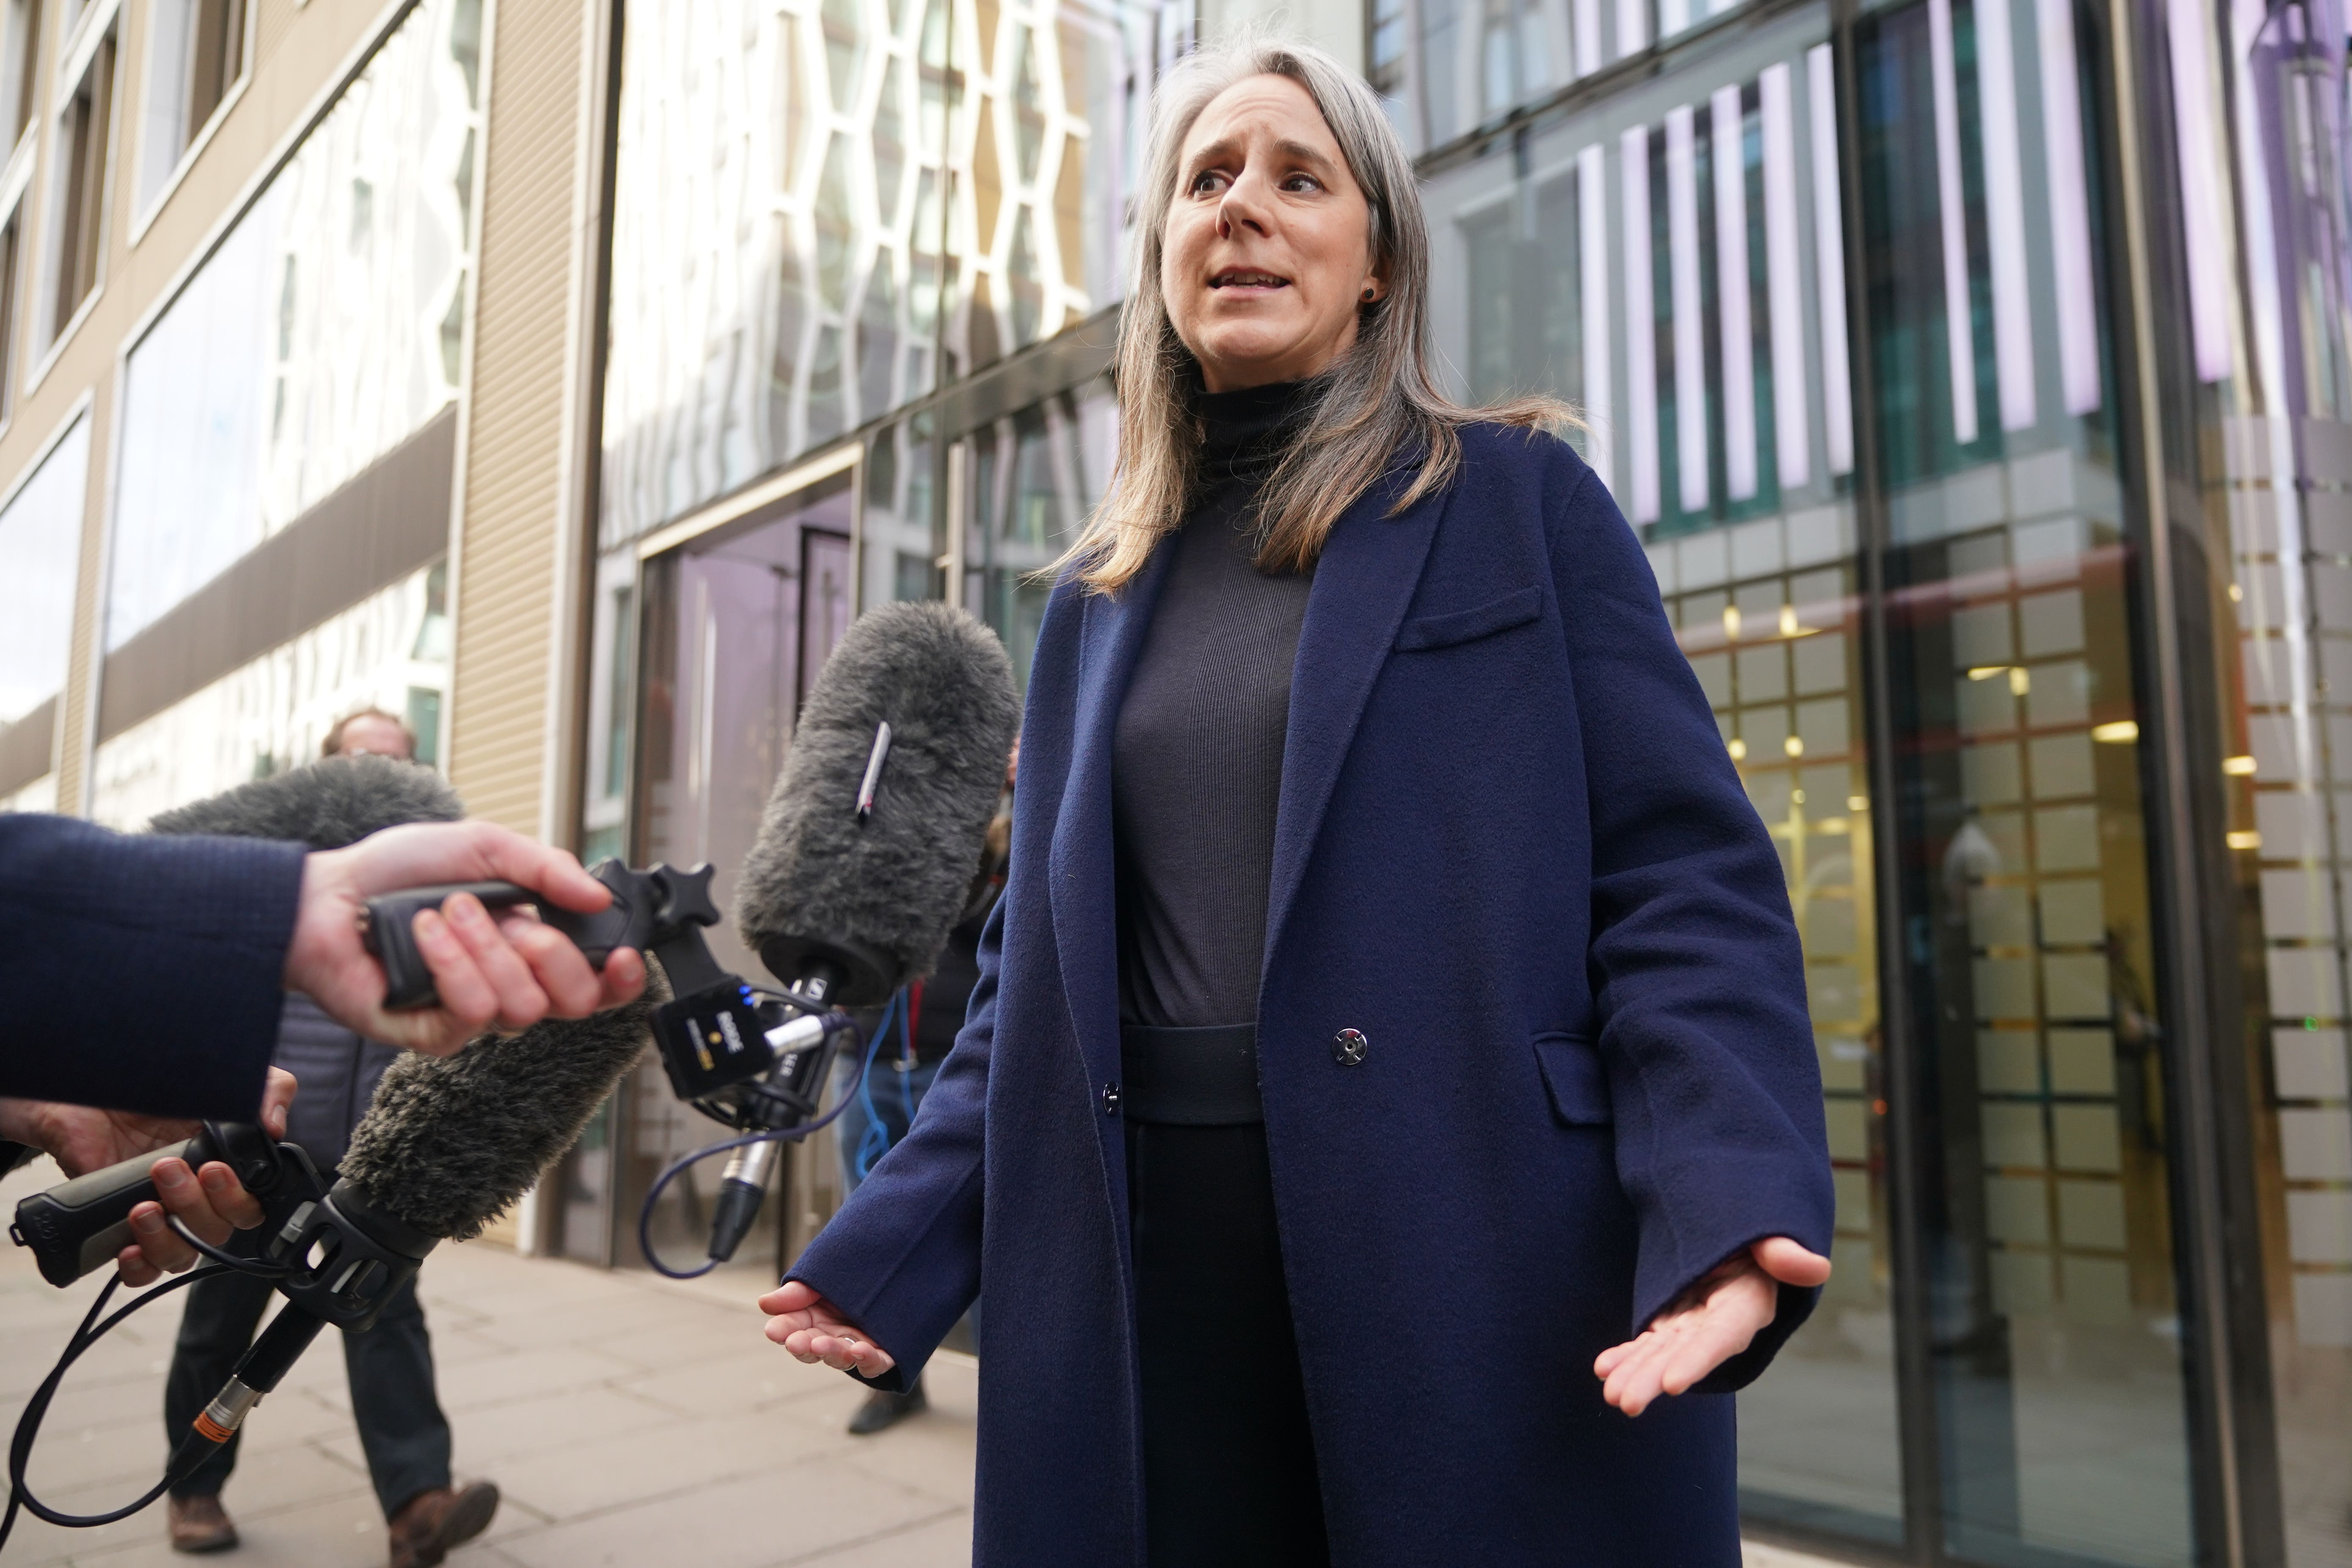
(1368, 296)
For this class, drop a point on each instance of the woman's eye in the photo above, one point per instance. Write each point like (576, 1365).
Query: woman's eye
(1301, 183)
(1206, 179)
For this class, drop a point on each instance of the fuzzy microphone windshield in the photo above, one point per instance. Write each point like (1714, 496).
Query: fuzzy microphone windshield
(328, 805)
(868, 851)
(449, 1142)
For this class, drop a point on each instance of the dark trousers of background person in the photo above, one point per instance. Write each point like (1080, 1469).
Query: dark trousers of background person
(402, 1429)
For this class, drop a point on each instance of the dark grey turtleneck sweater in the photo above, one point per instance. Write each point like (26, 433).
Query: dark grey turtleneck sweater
(1196, 757)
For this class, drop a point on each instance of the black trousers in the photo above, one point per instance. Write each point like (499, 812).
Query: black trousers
(402, 1429)
(1228, 1457)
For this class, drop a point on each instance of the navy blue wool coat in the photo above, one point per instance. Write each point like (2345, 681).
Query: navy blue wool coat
(1511, 852)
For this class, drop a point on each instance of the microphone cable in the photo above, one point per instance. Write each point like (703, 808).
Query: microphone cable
(36, 1409)
(771, 1135)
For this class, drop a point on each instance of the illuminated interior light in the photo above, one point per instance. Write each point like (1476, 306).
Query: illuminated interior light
(2245, 838)
(1739, 750)
(1726, 122)
(1685, 288)
(1592, 243)
(1793, 746)
(2117, 733)
(1784, 287)
(2004, 190)
(2242, 767)
(1951, 199)
(1788, 620)
(2019, 683)
(2237, 594)
(1857, 803)
(1641, 347)
(2197, 132)
(1731, 622)
(1987, 671)
(2070, 208)
(1632, 27)
(1828, 260)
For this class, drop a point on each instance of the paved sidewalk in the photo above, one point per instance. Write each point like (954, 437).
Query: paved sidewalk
(630, 1421)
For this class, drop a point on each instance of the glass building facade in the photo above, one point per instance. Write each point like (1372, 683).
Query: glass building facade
(1977, 375)
(279, 493)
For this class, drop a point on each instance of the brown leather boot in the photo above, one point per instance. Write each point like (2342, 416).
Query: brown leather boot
(432, 1521)
(201, 1525)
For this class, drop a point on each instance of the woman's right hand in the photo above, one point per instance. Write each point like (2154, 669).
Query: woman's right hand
(814, 1329)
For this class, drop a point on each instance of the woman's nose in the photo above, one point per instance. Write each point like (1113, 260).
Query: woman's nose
(1240, 209)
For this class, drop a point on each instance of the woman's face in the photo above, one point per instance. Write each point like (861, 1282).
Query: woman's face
(1267, 255)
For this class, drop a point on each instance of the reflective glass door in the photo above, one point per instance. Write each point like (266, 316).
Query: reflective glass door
(2051, 1327)
(739, 620)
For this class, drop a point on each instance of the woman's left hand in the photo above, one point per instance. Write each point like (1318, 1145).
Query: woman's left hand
(1710, 1323)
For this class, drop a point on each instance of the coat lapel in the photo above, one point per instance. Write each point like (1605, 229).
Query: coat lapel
(1082, 890)
(1364, 580)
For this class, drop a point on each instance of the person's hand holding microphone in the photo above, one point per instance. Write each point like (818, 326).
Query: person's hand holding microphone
(505, 971)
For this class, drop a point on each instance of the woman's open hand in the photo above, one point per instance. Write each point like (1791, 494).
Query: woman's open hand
(1710, 1323)
(814, 1329)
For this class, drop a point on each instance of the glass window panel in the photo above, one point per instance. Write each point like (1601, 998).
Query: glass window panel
(311, 340)
(2274, 423)
(2054, 1338)
(274, 713)
(800, 248)
(195, 53)
(1033, 479)
(41, 538)
(736, 624)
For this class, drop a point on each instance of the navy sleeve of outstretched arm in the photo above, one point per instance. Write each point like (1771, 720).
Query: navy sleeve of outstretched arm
(1695, 957)
(142, 974)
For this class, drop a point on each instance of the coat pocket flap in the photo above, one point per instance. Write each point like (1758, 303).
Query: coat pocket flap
(1571, 1071)
(1516, 609)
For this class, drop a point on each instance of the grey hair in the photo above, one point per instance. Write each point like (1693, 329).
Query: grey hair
(1376, 409)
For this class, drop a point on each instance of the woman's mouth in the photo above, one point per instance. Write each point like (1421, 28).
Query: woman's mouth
(1244, 278)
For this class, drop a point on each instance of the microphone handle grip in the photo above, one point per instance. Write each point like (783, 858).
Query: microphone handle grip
(78, 1227)
(390, 933)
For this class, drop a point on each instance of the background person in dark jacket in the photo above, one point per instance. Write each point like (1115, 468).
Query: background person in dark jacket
(401, 1426)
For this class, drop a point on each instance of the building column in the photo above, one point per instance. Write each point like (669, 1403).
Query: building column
(527, 449)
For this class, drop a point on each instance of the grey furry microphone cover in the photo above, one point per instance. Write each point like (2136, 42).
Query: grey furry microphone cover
(897, 881)
(450, 1141)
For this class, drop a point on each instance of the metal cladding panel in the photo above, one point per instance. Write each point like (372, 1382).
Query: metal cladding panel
(511, 555)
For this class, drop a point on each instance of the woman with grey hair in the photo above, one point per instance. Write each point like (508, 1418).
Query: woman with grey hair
(1390, 1070)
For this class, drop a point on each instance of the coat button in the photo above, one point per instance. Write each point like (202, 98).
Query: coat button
(1348, 1047)
(1110, 1099)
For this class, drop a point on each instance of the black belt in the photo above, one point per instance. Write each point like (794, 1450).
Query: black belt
(1190, 1077)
